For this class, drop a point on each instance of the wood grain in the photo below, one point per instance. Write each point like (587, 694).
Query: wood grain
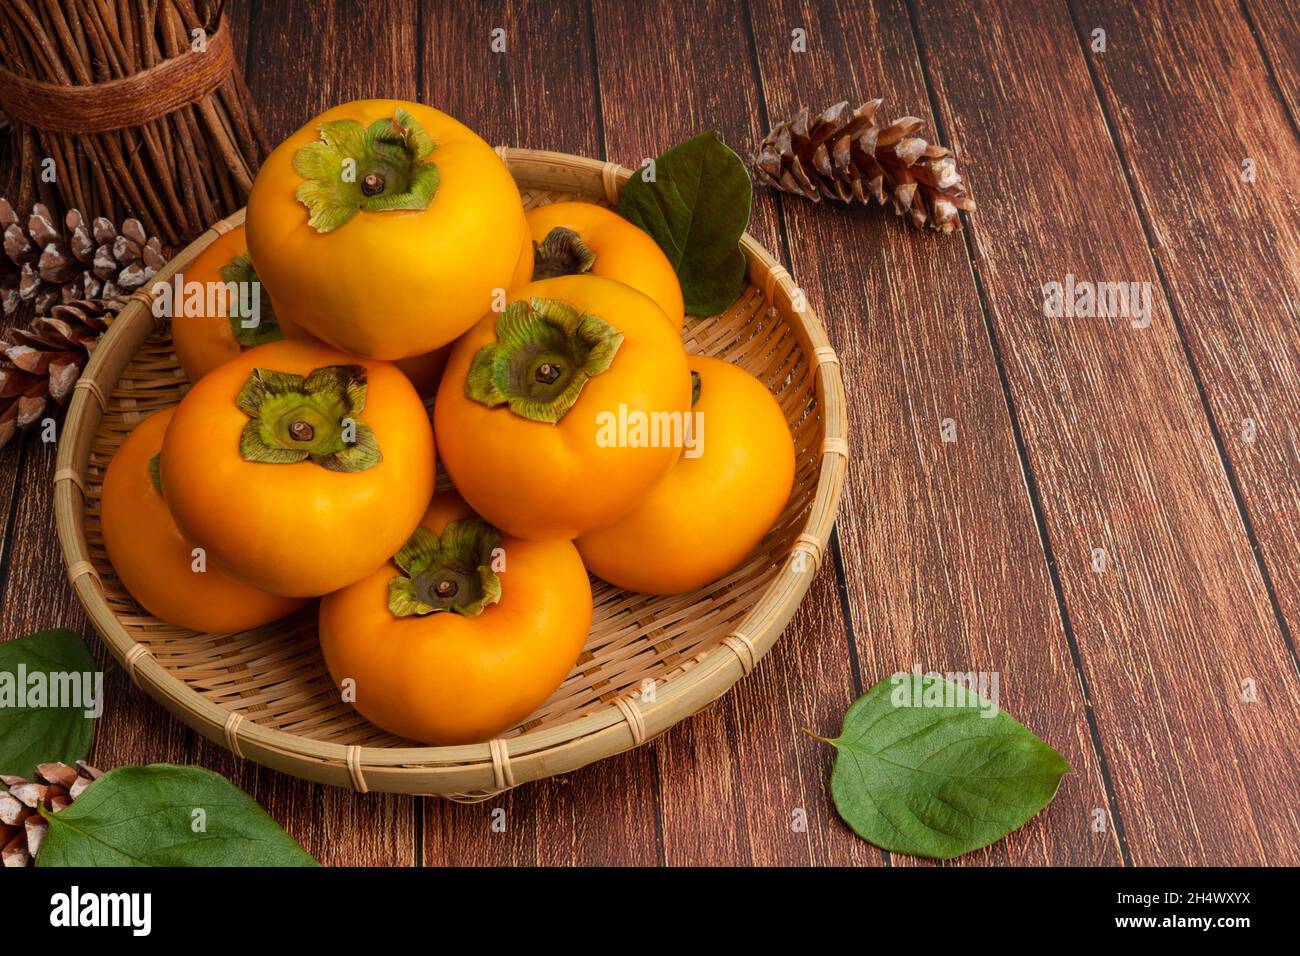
(732, 777)
(305, 58)
(1276, 28)
(926, 589)
(806, 682)
(1122, 452)
(1221, 226)
(539, 93)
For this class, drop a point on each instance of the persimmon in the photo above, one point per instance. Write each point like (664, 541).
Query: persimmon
(299, 469)
(203, 341)
(555, 416)
(425, 371)
(464, 634)
(711, 510)
(579, 238)
(385, 227)
(157, 563)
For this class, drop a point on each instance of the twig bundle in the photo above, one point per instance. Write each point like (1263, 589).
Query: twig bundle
(138, 104)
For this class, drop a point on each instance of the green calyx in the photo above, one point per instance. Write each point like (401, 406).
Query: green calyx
(250, 330)
(317, 417)
(375, 168)
(561, 253)
(155, 471)
(449, 573)
(545, 353)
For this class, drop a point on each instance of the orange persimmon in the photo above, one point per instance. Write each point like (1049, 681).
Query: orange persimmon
(300, 469)
(464, 634)
(385, 228)
(557, 415)
(156, 563)
(203, 341)
(578, 238)
(712, 509)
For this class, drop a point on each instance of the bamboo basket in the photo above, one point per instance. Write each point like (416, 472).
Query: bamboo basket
(648, 662)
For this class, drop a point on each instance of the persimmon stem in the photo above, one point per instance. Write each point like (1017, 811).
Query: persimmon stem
(545, 352)
(561, 253)
(816, 737)
(266, 328)
(395, 154)
(294, 418)
(448, 572)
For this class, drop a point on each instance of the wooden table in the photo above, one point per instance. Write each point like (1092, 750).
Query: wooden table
(1115, 529)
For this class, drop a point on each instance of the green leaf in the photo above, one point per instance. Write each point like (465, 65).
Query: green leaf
(696, 209)
(31, 731)
(150, 816)
(930, 768)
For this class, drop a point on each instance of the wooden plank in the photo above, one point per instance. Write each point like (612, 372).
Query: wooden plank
(303, 59)
(238, 16)
(1221, 228)
(11, 468)
(1276, 27)
(538, 93)
(1122, 452)
(944, 565)
(601, 815)
(35, 597)
(781, 774)
(732, 777)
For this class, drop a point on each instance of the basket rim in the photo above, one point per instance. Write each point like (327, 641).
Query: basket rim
(491, 766)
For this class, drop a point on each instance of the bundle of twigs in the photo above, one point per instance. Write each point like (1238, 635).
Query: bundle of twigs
(138, 105)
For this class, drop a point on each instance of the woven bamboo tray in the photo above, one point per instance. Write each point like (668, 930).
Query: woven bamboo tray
(649, 661)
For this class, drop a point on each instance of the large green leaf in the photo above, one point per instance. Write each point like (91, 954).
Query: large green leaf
(917, 776)
(696, 208)
(36, 671)
(164, 815)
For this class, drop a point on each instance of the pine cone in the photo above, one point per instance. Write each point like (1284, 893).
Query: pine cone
(97, 261)
(42, 362)
(22, 828)
(844, 155)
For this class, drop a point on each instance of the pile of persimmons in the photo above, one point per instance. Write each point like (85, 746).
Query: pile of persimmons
(394, 270)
